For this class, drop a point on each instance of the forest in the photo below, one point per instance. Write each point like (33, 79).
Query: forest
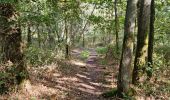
(84, 50)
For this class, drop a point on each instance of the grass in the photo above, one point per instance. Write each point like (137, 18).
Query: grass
(84, 54)
(101, 50)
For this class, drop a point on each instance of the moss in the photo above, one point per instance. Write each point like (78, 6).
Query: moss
(110, 94)
(115, 93)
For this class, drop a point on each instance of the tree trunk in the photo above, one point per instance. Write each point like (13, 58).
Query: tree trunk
(116, 26)
(125, 69)
(94, 38)
(12, 42)
(142, 41)
(67, 46)
(83, 40)
(29, 35)
(39, 36)
(151, 39)
(51, 38)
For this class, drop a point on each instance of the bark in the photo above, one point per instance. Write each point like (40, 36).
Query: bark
(125, 69)
(29, 38)
(142, 41)
(51, 38)
(151, 39)
(83, 35)
(39, 36)
(67, 46)
(116, 26)
(94, 38)
(12, 42)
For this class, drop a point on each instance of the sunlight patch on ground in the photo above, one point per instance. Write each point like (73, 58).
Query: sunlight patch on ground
(73, 79)
(89, 91)
(87, 86)
(86, 73)
(56, 75)
(34, 92)
(96, 84)
(78, 63)
(82, 76)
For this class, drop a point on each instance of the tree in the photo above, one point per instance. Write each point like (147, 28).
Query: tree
(125, 68)
(116, 26)
(142, 40)
(29, 38)
(151, 39)
(11, 41)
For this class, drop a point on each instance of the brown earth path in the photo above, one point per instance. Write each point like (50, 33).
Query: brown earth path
(98, 77)
(69, 80)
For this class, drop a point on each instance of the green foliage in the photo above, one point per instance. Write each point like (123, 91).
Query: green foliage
(96, 19)
(8, 1)
(84, 54)
(101, 50)
(111, 93)
(103, 62)
(3, 82)
(7, 78)
(38, 56)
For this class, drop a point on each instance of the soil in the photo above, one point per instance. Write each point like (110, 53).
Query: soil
(75, 79)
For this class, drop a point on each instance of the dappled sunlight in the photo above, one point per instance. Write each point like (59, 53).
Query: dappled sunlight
(56, 75)
(84, 49)
(78, 63)
(82, 76)
(95, 84)
(87, 86)
(87, 90)
(72, 79)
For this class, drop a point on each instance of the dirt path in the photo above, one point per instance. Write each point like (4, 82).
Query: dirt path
(96, 77)
(68, 80)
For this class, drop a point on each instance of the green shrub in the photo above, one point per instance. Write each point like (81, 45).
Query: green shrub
(38, 56)
(103, 62)
(7, 79)
(84, 54)
(101, 50)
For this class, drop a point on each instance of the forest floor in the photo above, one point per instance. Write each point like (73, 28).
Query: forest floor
(76, 79)
(84, 79)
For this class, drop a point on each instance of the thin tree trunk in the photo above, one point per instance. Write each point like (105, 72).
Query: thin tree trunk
(125, 69)
(116, 26)
(67, 47)
(39, 36)
(51, 39)
(29, 38)
(83, 35)
(94, 38)
(142, 41)
(134, 41)
(151, 39)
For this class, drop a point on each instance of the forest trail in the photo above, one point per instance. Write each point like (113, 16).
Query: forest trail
(76, 79)
(96, 78)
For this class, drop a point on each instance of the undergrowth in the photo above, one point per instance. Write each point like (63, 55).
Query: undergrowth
(84, 54)
(37, 56)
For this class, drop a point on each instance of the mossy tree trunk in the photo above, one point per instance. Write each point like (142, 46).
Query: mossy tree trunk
(125, 69)
(142, 41)
(12, 42)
